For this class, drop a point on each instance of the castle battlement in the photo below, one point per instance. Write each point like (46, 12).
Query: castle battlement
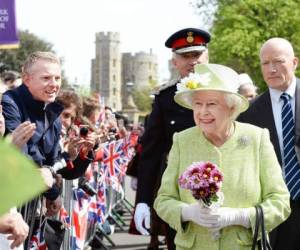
(108, 36)
(111, 69)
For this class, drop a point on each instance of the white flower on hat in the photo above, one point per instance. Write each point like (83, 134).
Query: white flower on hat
(193, 81)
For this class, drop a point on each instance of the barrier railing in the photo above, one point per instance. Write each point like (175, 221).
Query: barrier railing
(87, 214)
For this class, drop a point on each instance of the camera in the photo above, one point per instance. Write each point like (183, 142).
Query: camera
(86, 187)
(112, 134)
(112, 130)
(83, 131)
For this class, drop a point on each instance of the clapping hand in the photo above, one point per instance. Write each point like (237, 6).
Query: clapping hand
(23, 133)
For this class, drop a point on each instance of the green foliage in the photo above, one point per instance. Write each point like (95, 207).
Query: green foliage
(20, 180)
(142, 99)
(83, 90)
(241, 27)
(141, 96)
(14, 58)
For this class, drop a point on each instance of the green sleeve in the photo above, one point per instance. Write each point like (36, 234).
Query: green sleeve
(274, 193)
(167, 204)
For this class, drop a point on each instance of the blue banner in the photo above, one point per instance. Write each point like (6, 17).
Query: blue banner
(8, 29)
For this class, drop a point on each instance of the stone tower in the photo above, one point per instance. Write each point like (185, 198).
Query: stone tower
(106, 69)
(140, 68)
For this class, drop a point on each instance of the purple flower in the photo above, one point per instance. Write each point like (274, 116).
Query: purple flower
(200, 193)
(217, 176)
(203, 179)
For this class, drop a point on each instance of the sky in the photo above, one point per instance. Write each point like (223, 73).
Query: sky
(71, 25)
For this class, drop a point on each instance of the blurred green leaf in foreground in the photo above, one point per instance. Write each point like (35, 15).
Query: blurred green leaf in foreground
(20, 180)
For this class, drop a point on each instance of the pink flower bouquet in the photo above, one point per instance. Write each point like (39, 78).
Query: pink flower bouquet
(204, 179)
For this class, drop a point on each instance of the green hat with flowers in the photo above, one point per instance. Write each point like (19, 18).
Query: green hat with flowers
(209, 77)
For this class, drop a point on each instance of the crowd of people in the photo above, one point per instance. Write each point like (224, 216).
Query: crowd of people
(209, 114)
(64, 135)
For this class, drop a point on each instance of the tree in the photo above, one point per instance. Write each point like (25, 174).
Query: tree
(241, 27)
(13, 59)
(142, 96)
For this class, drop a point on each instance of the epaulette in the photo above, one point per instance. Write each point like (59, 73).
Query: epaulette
(164, 86)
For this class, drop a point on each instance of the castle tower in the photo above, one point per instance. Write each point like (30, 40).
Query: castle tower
(106, 69)
(140, 68)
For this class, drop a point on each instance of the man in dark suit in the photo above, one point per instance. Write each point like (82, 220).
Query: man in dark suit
(189, 47)
(269, 110)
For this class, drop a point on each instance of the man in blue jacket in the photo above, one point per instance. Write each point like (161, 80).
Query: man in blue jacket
(34, 101)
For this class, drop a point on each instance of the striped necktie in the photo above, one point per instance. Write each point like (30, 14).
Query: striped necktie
(290, 161)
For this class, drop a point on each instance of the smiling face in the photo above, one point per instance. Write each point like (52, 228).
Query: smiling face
(278, 63)
(43, 80)
(68, 116)
(212, 113)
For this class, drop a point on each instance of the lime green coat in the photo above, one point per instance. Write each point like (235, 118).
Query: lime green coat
(252, 175)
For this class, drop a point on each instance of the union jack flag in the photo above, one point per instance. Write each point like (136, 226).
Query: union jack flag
(101, 196)
(112, 160)
(64, 217)
(37, 241)
(79, 219)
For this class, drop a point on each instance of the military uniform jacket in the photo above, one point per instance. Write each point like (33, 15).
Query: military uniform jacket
(166, 118)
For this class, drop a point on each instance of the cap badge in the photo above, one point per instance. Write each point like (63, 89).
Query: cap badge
(190, 38)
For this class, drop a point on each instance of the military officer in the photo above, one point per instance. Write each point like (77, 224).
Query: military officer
(189, 47)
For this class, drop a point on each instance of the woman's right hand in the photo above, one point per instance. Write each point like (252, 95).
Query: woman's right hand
(200, 215)
(72, 147)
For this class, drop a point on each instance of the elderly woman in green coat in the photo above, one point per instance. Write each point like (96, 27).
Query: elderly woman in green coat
(242, 152)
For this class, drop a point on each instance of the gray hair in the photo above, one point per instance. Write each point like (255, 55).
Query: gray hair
(244, 86)
(175, 55)
(36, 56)
(235, 102)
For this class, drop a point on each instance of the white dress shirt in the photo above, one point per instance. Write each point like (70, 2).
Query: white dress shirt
(277, 103)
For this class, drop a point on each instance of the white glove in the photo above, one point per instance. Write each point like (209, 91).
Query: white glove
(142, 214)
(199, 215)
(232, 216)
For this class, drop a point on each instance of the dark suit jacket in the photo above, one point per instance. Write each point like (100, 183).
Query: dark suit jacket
(260, 114)
(287, 235)
(166, 118)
